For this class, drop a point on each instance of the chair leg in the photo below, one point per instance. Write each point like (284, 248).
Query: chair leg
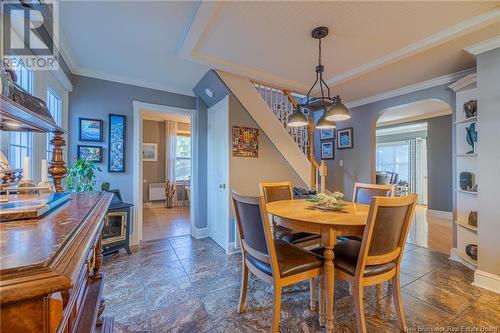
(398, 302)
(312, 286)
(359, 305)
(380, 292)
(277, 309)
(244, 286)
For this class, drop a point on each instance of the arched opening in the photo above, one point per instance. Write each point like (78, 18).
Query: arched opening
(413, 152)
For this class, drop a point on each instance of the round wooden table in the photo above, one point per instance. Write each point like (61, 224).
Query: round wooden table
(300, 215)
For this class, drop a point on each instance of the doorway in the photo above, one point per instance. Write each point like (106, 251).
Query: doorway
(165, 171)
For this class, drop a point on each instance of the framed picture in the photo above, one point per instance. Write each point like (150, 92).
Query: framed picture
(344, 138)
(327, 134)
(327, 150)
(150, 152)
(90, 153)
(245, 142)
(90, 129)
(116, 151)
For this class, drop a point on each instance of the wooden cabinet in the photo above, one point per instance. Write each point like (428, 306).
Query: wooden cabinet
(50, 268)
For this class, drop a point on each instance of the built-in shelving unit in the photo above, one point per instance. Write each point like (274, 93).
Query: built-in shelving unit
(466, 161)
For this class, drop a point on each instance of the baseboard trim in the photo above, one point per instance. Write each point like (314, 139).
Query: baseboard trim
(199, 232)
(455, 257)
(440, 214)
(233, 248)
(487, 281)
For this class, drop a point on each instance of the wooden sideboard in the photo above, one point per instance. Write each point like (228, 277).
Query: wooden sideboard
(50, 269)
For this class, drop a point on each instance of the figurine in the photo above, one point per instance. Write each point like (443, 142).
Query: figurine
(471, 137)
(470, 109)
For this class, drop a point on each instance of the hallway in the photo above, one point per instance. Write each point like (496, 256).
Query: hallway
(161, 222)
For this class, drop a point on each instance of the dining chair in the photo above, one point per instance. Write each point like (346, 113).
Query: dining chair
(272, 260)
(377, 258)
(283, 191)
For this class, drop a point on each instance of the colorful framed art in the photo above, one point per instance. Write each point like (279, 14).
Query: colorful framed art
(116, 151)
(327, 134)
(90, 129)
(245, 142)
(344, 138)
(90, 153)
(327, 150)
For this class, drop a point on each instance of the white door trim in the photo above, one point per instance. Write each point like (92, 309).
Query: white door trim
(138, 108)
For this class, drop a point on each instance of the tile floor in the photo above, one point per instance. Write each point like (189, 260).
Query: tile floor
(185, 285)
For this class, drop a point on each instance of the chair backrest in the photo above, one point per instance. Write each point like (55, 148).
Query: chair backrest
(386, 230)
(363, 193)
(276, 191)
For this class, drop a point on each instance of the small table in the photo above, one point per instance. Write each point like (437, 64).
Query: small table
(301, 215)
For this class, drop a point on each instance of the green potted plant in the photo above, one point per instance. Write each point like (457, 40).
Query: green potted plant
(105, 186)
(81, 176)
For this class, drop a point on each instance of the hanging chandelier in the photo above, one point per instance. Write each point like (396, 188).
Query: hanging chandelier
(332, 107)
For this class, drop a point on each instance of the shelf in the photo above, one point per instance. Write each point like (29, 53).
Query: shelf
(466, 226)
(465, 121)
(26, 120)
(466, 192)
(467, 155)
(467, 259)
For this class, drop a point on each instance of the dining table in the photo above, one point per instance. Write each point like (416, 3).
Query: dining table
(305, 216)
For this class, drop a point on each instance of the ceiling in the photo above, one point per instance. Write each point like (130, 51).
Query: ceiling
(372, 47)
(162, 116)
(425, 109)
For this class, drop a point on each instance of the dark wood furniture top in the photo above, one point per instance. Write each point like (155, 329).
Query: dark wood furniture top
(50, 268)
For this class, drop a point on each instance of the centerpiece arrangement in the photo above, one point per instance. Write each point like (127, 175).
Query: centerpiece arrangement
(328, 201)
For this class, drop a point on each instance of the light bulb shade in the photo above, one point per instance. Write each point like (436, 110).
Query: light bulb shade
(323, 123)
(297, 119)
(338, 112)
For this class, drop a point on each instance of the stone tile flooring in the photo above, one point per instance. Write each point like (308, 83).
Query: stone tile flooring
(185, 285)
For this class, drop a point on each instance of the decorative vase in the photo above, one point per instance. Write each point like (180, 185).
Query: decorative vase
(472, 219)
(471, 251)
(470, 109)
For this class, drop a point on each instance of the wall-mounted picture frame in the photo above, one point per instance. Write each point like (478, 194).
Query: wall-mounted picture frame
(150, 152)
(327, 134)
(90, 129)
(345, 138)
(328, 150)
(90, 153)
(116, 149)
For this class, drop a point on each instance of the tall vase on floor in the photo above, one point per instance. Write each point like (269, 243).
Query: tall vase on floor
(170, 193)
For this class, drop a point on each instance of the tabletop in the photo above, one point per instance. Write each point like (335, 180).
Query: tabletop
(352, 214)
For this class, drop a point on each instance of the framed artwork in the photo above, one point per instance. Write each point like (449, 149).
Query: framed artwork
(116, 151)
(327, 150)
(150, 152)
(90, 129)
(245, 142)
(90, 153)
(327, 134)
(344, 138)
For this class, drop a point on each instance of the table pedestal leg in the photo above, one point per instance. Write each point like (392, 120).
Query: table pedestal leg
(328, 240)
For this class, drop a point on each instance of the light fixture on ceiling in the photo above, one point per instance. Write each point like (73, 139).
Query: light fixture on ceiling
(297, 118)
(333, 109)
(210, 92)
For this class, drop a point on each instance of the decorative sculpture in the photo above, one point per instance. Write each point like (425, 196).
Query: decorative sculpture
(471, 137)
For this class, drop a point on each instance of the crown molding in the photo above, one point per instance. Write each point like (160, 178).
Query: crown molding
(464, 82)
(484, 46)
(411, 88)
(130, 81)
(423, 116)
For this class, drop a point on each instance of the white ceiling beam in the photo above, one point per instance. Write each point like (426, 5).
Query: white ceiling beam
(441, 37)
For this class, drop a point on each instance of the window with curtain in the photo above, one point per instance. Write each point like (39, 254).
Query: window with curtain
(20, 143)
(183, 158)
(54, 106)
(393, 157)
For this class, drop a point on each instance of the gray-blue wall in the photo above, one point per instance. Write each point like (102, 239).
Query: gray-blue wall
(95, 98)
(359, 162)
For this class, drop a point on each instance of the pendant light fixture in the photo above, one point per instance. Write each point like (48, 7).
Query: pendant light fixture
(333, 109)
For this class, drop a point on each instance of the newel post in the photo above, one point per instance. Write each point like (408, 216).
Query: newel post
(57, 168)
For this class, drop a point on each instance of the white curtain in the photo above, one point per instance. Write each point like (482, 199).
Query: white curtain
(170, 145)
(417, 172)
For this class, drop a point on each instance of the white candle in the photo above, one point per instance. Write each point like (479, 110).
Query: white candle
(44, 177)
(26, 168)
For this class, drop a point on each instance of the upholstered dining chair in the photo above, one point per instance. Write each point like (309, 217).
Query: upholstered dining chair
(377, 258)
(272, 260)
(283, 191)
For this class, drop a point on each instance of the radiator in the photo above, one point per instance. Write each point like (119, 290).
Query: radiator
(157, 191)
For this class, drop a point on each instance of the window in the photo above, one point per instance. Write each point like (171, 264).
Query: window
(20, 143)
(183, 158)
(393, 157)
(54, 106)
